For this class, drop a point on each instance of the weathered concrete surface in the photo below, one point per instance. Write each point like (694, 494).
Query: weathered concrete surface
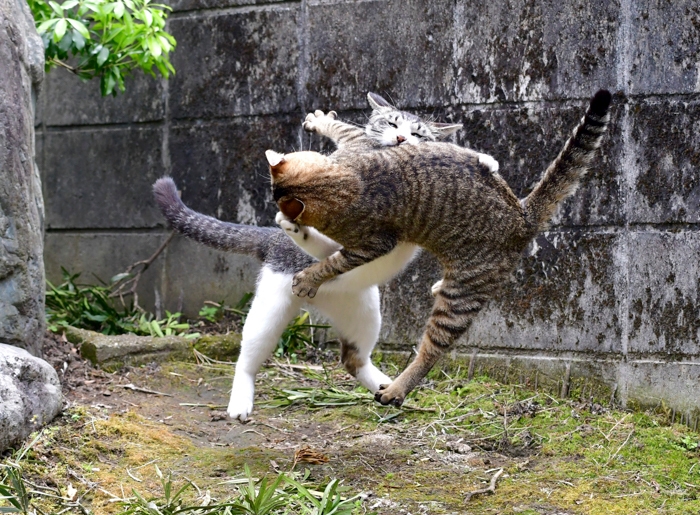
(115, 351)
(21, 204)
(610, 293)
(30, 394)
(112, 352)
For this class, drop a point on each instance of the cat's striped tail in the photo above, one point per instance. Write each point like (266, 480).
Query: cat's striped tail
(562, 176)
(237, 238)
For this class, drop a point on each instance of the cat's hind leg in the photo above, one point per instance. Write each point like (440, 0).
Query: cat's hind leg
(357, 317)
(272, 309)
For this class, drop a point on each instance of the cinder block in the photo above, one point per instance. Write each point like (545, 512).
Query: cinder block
(664, 298)
(664, 147)
(195, 273)
(398, 48)
(193, 5)
(70, 101)
(102, 178)
(565, 297)
(664, 47)
(220, 167)
(100, 256)
(237, 63)
(531, 49)
(525, 140)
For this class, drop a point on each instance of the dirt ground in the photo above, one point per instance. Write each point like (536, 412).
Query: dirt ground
(438, 455)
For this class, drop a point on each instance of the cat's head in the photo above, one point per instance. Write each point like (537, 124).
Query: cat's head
(389, 126)
(306, 184)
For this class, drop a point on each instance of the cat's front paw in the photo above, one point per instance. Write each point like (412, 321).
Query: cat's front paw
(489, 162)
(240, 405)
(390, 394)
(303, 286)
(315, 120)
(288, 225)
(435, 288)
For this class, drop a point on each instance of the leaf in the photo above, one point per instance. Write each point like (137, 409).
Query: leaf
(119, 9)
(148, 17)
(78, 40)
(46, 25)
(80, 27)
(154, 47)
(69, 4)
(66, 42)
(56, 8)
(102, 57)
(60, 29)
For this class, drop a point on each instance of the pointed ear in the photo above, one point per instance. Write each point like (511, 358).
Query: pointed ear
(275, 160)
(442, 130)
(292, 208)
(376, 102)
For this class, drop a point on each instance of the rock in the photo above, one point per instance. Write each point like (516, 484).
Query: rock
(114, 351)
(30, 394)
(21, 205)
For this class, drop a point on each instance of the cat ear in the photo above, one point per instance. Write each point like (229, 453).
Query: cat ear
(291, 208)
(376, 102)
(275, 160)
(442, 130)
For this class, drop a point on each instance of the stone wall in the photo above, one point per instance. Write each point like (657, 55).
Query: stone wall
(21, 205)
(608, 298)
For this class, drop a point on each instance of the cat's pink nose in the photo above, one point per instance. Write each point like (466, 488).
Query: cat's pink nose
(400, 139)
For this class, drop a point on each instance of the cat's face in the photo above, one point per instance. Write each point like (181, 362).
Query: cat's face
(389, 126)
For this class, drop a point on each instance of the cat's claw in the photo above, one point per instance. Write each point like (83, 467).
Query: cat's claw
(303, 286)
(386, 396)
(313, 121)
(435, 288)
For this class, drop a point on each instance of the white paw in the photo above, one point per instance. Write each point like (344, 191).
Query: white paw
(489, 162)
(371, 377)
(314, 121)
(240, 406)
(435, 288)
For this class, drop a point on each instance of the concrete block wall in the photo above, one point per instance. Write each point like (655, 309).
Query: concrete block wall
(608, 298)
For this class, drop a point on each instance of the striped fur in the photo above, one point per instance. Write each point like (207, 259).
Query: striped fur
(439, 196)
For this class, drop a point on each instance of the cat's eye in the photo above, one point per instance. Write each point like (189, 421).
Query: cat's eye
(393, 125)
(416, 135)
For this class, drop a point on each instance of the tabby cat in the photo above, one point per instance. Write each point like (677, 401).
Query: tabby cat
(351, 302)
(438, 196)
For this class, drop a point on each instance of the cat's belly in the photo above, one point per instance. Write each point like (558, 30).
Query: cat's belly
(378, 271)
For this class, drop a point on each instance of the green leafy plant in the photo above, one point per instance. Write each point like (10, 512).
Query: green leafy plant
(105, 39)
(297, 335)
(92, 307)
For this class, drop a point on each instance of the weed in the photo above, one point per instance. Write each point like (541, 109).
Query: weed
(91, 307)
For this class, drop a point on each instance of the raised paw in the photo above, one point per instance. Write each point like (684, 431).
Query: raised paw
(435, 288)
(489, 162)
(314, 121)
(303, 286)
(387, 395)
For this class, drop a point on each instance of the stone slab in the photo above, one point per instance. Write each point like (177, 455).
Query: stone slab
(70, 101)
(664, 157)
(220, 167)
(664, 47)
(193, 5)
(532, 49)
(409, 59)
(237, 63)
(109, 184)
(110, 351)
(195, 273)
(101, 256)
(526, 139)
(664, 298)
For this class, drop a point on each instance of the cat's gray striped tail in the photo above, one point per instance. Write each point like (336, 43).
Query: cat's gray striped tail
(241, 239)
(562, 176)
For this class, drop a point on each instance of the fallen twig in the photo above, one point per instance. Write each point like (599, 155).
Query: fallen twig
(142, 390)
(210, 406)
(489, 490)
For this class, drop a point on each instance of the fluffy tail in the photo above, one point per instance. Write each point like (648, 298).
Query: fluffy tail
(241, 239)
(562, 176)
